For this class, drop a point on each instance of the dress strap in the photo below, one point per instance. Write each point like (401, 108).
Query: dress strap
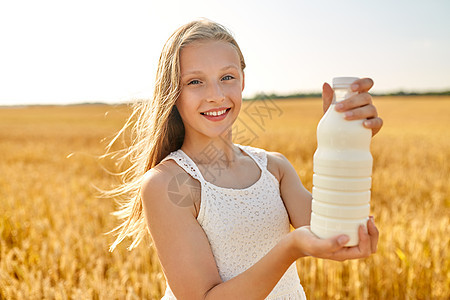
(186, 163)
(258, 155)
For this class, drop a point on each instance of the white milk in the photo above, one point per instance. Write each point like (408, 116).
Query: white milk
(342, 171)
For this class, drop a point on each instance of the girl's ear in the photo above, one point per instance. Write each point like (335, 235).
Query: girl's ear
(243, 80)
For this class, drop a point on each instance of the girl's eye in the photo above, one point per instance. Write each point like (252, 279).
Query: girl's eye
(227, 77)
(195, 81)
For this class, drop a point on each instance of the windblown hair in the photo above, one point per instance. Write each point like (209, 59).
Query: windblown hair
(156, 127)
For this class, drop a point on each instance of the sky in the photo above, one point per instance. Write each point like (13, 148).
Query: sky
(61, 52)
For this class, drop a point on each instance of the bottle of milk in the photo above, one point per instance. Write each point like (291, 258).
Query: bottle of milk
(342, 171)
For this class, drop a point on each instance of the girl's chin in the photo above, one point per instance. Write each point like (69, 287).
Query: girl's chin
(221, 133)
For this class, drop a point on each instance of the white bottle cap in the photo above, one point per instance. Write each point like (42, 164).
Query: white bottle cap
(343, 82)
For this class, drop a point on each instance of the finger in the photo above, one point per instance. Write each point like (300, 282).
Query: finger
(363, 249)
(327, 96)
(335, 243)
(375, 124)
(346, 253)
(373, 233)
(362, 85)
(354, 102)
(325, 248)
(364, 242)
(360, 113)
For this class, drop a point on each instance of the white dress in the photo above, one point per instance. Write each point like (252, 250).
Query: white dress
(242, 225)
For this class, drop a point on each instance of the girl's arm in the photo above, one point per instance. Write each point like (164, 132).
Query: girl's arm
(297, 199)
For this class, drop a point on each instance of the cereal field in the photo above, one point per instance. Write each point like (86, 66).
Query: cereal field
(52, 224)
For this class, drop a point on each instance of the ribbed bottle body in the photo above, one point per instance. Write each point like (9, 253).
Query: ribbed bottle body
(342, 174)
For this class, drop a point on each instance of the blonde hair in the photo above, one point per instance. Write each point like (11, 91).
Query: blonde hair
(156, 127)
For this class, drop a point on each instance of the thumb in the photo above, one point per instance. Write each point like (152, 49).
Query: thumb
(327, 96)
(337, 242)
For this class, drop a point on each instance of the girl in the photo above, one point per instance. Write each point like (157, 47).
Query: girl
(219, 213)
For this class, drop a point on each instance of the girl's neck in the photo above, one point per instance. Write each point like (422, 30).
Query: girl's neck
(209, 151)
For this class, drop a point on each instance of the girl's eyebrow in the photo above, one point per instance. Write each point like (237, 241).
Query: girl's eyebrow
(191, 72)
(232, 66)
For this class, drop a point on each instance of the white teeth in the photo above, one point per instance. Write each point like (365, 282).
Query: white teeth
(215, 113)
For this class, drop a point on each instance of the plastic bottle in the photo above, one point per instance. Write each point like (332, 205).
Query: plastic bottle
(342, 171)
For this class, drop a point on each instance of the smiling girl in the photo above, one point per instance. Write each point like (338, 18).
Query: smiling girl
(221, 233)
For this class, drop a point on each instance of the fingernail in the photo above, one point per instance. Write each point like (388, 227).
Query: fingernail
(355, 86)
(364, 228)
(339, 106)
(366, 123)
(343, 239)
(372, 220)
(348, 114)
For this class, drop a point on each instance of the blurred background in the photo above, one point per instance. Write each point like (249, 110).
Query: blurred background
(97, 55)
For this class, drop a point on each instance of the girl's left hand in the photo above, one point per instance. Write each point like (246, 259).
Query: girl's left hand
(358, 107)
(333, 248)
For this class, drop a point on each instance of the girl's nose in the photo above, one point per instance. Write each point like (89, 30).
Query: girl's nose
(215, 93)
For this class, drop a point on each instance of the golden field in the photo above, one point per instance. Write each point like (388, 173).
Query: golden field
(52, 224)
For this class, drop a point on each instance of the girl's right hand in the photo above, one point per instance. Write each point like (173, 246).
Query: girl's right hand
(306, 243)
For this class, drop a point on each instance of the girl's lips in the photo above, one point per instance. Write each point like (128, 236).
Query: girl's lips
(220, 114)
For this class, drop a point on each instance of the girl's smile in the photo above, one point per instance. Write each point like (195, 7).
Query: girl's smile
(216, 114)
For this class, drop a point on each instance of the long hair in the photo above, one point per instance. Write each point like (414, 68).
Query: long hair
(156, 127)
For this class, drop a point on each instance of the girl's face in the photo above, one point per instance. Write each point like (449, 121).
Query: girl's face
(211, 87)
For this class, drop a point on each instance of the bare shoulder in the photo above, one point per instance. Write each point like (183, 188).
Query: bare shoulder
(159, 176)
(168, 187)
(277, 164)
